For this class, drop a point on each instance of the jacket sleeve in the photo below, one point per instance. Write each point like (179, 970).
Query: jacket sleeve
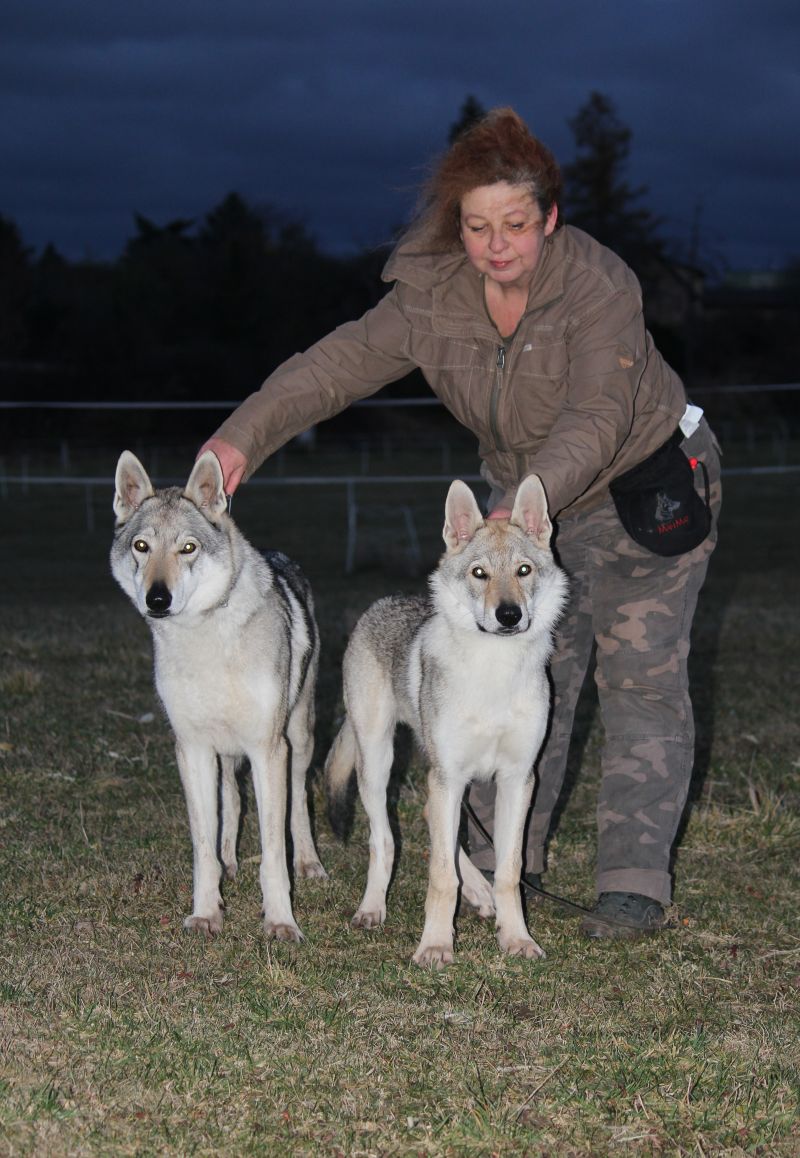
(352, 362)
(607, 352)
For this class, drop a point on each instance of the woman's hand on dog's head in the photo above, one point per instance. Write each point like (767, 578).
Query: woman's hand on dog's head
(232, 462)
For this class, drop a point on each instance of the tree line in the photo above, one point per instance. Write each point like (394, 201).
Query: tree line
(194, 311)
(186, 312)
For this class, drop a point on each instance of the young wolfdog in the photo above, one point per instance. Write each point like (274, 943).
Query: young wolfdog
(236, 648)
(466, 669)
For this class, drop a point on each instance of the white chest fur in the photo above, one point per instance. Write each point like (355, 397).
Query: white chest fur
(481, 700)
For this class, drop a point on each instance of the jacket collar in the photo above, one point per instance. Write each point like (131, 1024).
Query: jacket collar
(456, 287)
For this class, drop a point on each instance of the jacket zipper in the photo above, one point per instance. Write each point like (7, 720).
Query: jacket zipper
(494, 399)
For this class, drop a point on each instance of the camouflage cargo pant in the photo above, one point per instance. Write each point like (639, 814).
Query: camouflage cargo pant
(636, 609)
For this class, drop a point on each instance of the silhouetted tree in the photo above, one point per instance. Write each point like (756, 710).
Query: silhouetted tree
(269, 289)
(15, 288)
(235, 246)
(597, 196)
(52, 305)
(471, 111)
(155, 301)
(157, 275)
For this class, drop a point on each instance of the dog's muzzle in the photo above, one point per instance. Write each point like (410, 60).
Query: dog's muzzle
(508, 615)
(158, 600)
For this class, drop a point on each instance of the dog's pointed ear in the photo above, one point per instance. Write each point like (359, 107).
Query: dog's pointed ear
(132, 486)
(206, 488)
(530, 511)
(462, 516)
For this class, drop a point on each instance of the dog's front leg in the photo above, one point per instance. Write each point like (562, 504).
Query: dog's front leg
(436, 946)
(270, 775)
(512, 802)
(198, 769)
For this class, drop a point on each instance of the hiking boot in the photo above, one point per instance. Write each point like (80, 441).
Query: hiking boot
(633, 915)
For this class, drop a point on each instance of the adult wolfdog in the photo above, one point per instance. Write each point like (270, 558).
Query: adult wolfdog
(466, 669)
(236, 648)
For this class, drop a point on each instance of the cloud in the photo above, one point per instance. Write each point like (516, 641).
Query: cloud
(331, 112)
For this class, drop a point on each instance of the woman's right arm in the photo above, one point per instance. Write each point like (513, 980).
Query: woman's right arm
(350, 363)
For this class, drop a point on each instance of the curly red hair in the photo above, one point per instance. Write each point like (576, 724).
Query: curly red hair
(498, 147)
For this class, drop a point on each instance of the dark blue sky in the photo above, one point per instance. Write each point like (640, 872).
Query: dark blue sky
(329, 110)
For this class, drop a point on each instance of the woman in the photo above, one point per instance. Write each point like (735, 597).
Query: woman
(532, 335)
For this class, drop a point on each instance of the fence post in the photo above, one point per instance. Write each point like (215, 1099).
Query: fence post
(89, 504)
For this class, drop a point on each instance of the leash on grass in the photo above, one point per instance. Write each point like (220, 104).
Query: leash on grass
(568, 906)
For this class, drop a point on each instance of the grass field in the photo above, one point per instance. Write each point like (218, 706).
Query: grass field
(120, 1034)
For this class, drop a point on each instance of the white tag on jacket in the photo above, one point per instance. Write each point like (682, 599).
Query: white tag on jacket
(691, 420)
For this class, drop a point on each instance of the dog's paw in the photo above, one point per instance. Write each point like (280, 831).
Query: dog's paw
(520, 947)
(276, 931)
(208, 926)
(310, 869)
(433, 956)
(230, 870)
(485, 912)
(367, 920)
(480, 900)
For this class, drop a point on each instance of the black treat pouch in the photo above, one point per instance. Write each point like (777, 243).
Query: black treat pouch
(658, 504)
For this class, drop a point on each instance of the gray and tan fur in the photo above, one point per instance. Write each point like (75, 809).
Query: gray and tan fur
(466, 669)
(236, 651)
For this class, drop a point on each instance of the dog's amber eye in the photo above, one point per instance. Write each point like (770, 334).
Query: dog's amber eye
(140, 546)
(188, 548)
(525, 569)
(479, 573)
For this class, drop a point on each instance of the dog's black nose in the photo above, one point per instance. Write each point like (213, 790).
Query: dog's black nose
(158, 599)
(508, 614)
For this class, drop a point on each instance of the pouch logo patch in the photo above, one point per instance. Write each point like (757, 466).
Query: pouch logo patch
(665, 507)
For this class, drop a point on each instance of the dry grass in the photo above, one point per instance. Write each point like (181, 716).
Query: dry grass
(121, 1034)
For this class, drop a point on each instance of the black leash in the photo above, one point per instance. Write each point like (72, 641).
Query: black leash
(560, 902)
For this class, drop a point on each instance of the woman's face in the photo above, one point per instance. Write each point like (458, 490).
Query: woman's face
(503, 232)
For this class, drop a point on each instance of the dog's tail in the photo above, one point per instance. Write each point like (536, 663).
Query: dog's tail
(338, 776)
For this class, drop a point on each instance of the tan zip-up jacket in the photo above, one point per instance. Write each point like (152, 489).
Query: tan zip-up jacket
(577, 395)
